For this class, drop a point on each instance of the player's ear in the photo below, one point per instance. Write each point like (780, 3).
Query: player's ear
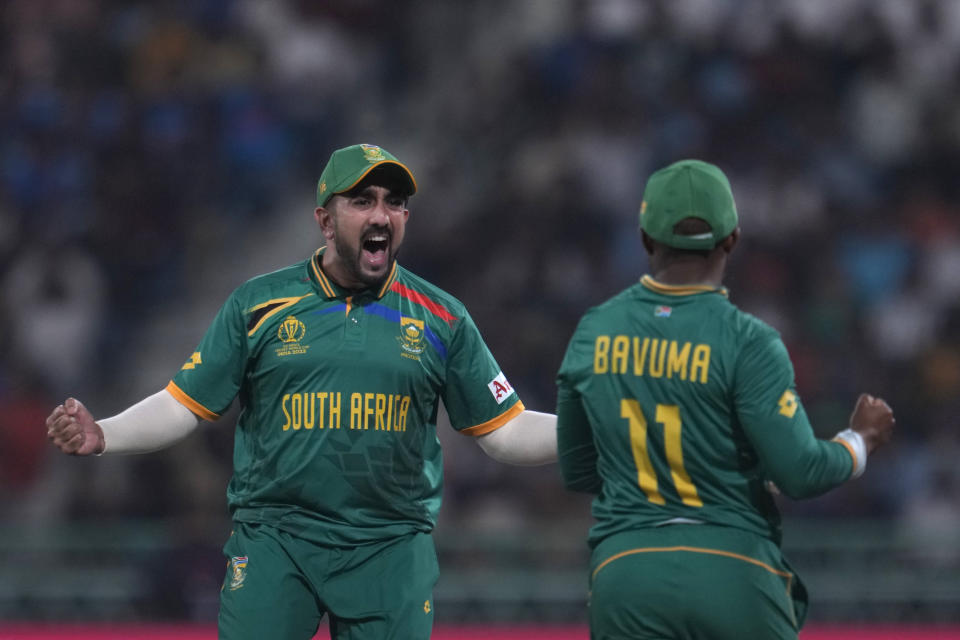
(324, 218)
(728, 243)
(647, 242)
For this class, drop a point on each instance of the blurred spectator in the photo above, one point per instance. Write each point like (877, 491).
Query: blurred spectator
(54, 296)
(148, 129)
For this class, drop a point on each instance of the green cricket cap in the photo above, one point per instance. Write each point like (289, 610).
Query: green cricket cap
(688, 189)
(348, 166)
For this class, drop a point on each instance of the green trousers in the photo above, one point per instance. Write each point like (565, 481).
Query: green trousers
(280, 586)
(693, 582)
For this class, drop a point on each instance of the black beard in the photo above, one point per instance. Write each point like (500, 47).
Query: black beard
(351, 261)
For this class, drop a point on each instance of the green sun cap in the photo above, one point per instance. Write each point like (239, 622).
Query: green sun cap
(348, 166)
(688, 189)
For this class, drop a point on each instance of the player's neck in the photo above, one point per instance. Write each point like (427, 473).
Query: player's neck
(684, 273)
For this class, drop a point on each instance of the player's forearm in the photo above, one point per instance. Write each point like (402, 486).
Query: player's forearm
(528, 439)
(803, 466)
(155, 422)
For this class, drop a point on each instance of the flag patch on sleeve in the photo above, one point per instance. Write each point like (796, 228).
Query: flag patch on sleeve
(500, 388)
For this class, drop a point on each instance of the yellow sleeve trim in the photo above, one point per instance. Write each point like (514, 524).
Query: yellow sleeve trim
(190, 403)
(850, 450)
(496, 423)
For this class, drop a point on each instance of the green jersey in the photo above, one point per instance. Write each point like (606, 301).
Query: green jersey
(676, 406)
(336, 440)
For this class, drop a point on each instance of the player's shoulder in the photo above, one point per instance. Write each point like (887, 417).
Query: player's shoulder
(618, 302)
(289, 281)
(622, 302)
(615, 309)
(411, 286)
(750, 328)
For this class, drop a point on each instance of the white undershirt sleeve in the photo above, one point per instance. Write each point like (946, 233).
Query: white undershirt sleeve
(528, 439)
(155, 422)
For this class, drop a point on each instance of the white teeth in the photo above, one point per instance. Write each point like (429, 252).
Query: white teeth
(380, 238)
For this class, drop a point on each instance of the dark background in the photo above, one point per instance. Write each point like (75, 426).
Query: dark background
(154, 155)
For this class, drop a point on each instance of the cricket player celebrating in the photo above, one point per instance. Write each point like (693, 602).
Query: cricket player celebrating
(339, 362)
(678, 409)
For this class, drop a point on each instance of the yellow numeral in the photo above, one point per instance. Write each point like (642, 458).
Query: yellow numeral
(630, 410)
(669, 416)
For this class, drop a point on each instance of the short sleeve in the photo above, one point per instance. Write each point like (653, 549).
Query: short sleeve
(211, 377)
(476, 393)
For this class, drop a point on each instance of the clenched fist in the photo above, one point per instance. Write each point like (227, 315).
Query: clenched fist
(72, 429)
(873, 419)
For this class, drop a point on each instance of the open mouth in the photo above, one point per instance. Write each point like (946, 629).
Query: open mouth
(375, 247)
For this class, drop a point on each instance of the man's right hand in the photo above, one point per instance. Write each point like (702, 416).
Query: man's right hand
(72, 429)
(873, 419)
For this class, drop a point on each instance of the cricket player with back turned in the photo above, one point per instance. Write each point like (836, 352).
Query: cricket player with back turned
(678, 410)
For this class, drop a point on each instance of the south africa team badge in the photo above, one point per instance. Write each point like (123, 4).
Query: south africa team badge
(239, 566)
(372, 153)
(411, 337)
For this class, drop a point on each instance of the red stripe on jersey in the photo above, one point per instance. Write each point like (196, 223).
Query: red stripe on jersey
(415, 296)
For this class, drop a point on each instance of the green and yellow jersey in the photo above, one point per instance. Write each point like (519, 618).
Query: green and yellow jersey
(674, 405)
(336, 440)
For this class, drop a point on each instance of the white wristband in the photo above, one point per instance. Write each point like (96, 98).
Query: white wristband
(853, 441)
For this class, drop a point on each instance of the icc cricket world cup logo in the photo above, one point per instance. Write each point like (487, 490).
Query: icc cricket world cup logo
(291, 330)
(290, 333)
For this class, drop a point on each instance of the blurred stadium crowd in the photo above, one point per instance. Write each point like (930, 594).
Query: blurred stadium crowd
(156, 154)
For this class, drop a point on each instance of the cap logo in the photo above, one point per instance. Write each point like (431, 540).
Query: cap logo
(372, 153)
(643, 207)
(323, 187)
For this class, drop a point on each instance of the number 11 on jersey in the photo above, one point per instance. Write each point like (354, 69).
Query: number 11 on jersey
(669, 416)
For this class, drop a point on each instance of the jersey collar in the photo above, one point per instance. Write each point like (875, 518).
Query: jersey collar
(332, 290)
(680, 290)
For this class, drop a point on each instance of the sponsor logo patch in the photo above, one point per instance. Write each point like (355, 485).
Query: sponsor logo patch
(193, 361)
(500, 388)
(788, 403)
